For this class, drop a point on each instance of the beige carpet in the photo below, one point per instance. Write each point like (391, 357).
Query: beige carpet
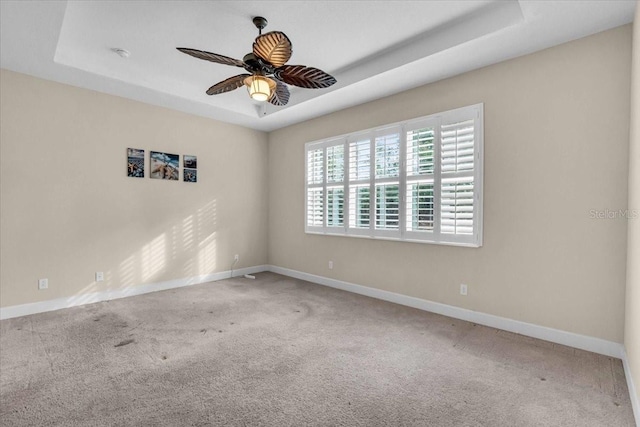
(281, 352)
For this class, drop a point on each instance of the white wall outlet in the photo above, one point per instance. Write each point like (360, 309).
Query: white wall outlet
(463, 289)
(43, 284)
(330, 265)
(236, 257)
(99, 276)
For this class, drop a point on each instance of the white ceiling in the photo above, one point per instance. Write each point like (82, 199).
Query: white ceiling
(373, 48)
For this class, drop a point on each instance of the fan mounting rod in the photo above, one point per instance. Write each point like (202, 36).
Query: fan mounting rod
(260, 23)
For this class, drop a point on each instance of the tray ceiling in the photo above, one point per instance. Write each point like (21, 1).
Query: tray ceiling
(373, 48)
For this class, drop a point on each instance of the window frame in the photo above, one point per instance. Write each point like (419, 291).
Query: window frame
(435, 121)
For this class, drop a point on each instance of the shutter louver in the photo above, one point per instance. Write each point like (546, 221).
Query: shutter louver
(456, 206)
(335, 207)
(315, 169)
(360, 160)
(315, 207)
(387, 207)
(360, 207)
(420, 152)
(420, 206)
(387, 156)
(457, 149)
(315, 193)
(335, 163)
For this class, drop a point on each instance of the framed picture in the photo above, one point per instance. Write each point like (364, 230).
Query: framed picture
(190, 162)
(135, 162)
(164, 165)
(190, 175)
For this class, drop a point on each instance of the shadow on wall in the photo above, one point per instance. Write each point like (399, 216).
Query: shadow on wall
(193, 240)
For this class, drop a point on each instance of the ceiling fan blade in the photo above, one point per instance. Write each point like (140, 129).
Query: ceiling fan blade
(273, 47)
(280, 96)
(213, 57)
(228, 85)
(303, 76)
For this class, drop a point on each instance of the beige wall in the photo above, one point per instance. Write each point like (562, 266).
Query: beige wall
(556, 147)
(68, 209)
(632, 320)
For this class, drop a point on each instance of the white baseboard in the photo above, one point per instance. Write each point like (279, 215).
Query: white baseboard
(570, 339)
(73, 301)
(633, 391)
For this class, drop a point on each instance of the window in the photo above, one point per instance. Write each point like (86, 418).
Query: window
(419, 180)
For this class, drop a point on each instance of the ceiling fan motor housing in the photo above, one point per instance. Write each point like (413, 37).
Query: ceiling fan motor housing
(253, 64)
(260, 23)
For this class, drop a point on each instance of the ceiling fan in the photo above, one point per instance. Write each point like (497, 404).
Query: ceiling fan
(266, 65)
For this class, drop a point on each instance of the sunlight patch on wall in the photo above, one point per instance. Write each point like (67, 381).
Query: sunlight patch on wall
(84, 295)
(187, 233)
(154, 257)
(127, 273)
(190, 246)
(207, 255)
(206, 219)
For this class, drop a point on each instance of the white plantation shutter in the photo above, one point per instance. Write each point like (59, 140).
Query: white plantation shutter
(387, 154)
(315, 189)
(315, 207)
(458, 201)
(360, 159)
(360, 207)
(456, 206)
(387, 206)
(335, 206)
(325, 189)
(387, 162)
(315, 166)
(360, 184)
(335, 185)
(420, 176)
(420, 206)
(417, 181)
(457, 140)
(335, 163)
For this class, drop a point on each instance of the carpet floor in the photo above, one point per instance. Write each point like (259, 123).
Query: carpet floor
(276, 351)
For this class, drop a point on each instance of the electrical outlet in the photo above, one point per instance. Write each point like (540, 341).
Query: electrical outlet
(43, 284)
(330, 265)
(236, 257)
(463, 289)
(99, 276)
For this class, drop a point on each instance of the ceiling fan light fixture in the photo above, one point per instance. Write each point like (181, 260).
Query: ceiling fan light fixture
(260, 87)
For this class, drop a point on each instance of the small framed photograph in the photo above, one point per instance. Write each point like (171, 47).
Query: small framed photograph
(190, 175)
(190, 162)
(135, 162)
(164, 165)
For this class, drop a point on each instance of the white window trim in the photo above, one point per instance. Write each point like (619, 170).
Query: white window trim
(436, 120)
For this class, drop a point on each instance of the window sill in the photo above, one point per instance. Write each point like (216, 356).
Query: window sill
(394, 239)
